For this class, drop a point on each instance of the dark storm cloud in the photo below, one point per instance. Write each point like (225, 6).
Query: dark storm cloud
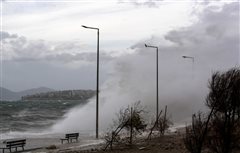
(212, 26)
(214, 43)
(214, 36)
(58, 65)
(85, 56)
(20, 49)
(6, 35)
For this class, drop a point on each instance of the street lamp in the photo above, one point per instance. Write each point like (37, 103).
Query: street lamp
(192, 58)
(156, 79)
(97, 86)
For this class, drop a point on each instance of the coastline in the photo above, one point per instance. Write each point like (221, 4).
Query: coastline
(171, 142)
(36, 145)
(164, 144)
(50, 143)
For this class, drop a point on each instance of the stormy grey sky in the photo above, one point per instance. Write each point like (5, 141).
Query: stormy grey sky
(43, 43)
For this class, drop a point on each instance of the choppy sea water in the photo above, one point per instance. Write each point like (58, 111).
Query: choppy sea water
(31, 116)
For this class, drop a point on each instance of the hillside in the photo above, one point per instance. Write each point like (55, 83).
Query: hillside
(61, 95)
(35, 91)
(8, 95)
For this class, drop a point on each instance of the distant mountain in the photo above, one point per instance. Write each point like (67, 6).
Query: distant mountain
(8, 95)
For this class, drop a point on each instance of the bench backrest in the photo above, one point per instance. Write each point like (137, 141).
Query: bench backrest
(16, 143)
(72, 135)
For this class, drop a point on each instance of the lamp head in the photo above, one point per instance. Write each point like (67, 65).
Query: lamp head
(84, 26)
(184, 56)
(146, 45)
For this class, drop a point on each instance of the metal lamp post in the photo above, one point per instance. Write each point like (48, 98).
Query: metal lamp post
(97, 86)
(192, 58)
(156, 78)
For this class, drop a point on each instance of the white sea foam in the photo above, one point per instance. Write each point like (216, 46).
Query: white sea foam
(128, 82)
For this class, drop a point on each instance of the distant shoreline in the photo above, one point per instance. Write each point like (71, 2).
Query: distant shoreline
(45, 93)
(61, 95)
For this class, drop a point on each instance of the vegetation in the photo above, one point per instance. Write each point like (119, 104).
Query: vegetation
(162, 123)
(61, 95)
(217, 131)
(196, 133)
(222, 124)
(224, 99)
(130, 122)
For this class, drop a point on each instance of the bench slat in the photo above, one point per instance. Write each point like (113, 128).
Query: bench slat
(12, 141)
(14, 144)
(70, 136)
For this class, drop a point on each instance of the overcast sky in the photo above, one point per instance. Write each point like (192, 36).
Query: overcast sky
(43, 43)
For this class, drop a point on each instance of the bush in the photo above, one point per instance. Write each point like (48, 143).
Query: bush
(224, 99)
(164, 122)
(195, 134)
(128, 120)
(222, 124)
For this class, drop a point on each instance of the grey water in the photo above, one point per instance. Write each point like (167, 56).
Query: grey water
(25, 116)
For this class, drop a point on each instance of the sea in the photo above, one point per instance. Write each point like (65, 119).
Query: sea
(32, 120)
(32, 117)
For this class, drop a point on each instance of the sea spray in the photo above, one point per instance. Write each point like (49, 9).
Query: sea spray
(133, 76)
(130, 81)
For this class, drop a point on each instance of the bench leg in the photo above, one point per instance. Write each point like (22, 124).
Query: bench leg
(22, 148)
(16, 149)
(10, 149)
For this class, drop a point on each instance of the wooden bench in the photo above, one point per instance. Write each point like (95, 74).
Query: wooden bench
(70, 136)
(14, 144)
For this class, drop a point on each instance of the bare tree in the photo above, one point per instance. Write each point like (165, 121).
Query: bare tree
(161, 124)
(224, 98)
(164, 122)
(129, 119)
(196, 133)
(154, 126)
